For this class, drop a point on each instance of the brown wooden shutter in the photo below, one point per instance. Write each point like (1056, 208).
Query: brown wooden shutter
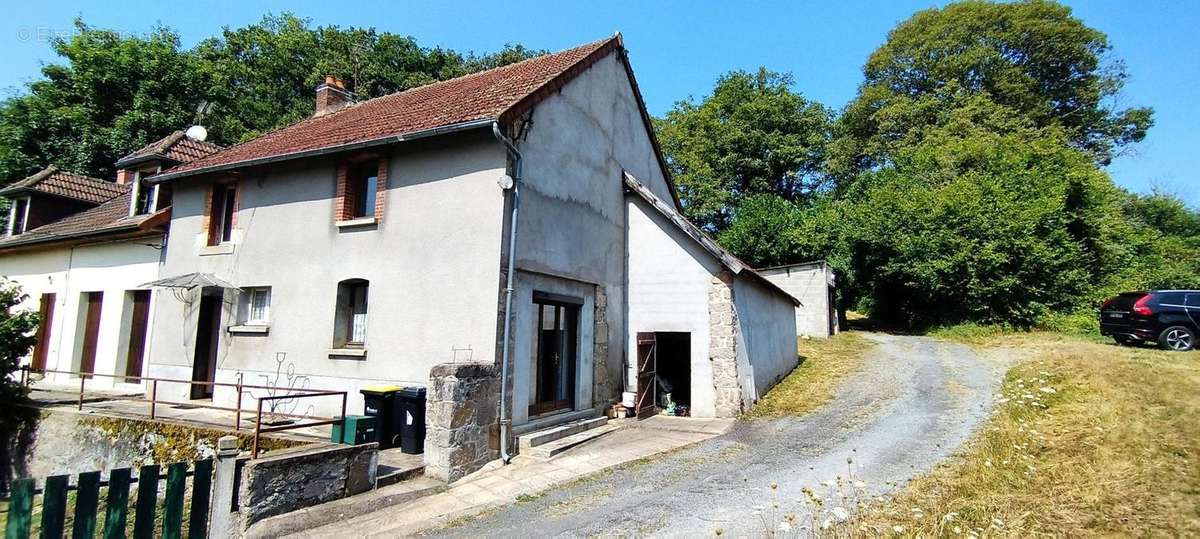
(45, 319)
(647, 352)
(91, 333)
(137, 334)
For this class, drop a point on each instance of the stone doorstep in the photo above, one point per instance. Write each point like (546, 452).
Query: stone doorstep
(346, 508)
(560, 445)
(533, 439)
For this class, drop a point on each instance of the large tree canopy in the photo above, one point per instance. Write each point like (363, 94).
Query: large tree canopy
(1032, 57)
(753, 135)
(114, 93)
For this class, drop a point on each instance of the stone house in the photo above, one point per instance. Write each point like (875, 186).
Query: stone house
(510, 239)
(81, 248)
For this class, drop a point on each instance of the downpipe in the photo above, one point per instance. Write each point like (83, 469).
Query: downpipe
(505, 421)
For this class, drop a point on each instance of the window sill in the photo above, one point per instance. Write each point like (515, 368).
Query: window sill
(355, 223)
(219, 249)
(250, 329)
(348, 353)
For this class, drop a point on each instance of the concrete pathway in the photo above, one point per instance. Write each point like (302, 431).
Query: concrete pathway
(525, 477)
(914, 403)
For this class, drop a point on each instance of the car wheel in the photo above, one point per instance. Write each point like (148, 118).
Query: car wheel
(1177, 338)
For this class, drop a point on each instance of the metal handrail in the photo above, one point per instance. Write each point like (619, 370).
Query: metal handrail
(241, 388)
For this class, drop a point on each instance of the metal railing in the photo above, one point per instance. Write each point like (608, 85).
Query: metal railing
(240, 388)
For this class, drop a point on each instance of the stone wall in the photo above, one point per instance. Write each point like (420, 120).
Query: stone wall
(602, 394)
(722, 349)
(461, 406)
(303, 477)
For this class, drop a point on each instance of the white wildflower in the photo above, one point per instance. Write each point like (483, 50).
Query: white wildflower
(785, 526)
(840, 514)
(898, 528)
(859, 484)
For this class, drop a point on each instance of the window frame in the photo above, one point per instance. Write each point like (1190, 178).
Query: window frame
(352, 311)
(362, 178)
(222, 217)
(18, 221)
(246, 311)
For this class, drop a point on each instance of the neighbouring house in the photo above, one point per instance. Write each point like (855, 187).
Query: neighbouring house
(814, 285)
(81, 248)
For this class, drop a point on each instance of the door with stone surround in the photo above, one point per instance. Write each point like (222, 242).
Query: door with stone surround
(556, 354)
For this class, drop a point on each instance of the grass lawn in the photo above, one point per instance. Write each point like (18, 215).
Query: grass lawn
(824, 363)
(1088, 438)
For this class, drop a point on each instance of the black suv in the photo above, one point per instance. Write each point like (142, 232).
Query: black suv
(1170, 318)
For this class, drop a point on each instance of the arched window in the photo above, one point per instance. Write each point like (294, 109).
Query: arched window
(350, 321)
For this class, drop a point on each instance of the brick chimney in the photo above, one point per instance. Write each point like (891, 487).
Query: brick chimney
(124, 176)
(332, 95)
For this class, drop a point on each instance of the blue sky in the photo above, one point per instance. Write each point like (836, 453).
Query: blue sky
(679, 48)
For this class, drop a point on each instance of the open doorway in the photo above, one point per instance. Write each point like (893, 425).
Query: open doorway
(674, 370)
(208, 334)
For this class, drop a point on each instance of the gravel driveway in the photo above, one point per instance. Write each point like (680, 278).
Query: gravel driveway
(914, 403)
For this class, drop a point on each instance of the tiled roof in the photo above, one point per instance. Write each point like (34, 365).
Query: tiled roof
(110, 217)
(53, 181)
(176, 147)
(495, 94)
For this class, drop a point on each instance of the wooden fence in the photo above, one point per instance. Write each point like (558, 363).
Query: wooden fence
(150, 516)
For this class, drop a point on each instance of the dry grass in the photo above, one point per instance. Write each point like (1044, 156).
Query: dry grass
(824, 363)
(1088, 439)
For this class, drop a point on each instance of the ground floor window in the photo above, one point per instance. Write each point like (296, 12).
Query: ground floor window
(350, 322)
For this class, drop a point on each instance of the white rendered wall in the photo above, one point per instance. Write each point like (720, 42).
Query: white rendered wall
(809, 283)
(669, 280)
(112, 268)
(766, 336)
(433, 264)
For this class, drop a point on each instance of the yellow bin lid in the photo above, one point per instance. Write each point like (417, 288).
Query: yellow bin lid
(380, 388)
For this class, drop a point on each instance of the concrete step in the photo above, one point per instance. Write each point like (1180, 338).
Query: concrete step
(396, 466)
(558, 432)
(550, 449)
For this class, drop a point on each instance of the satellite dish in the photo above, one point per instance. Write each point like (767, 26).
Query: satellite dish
(197, 132)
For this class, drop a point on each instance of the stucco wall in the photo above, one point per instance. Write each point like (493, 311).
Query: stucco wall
(766, 336)
(571, 222)
(112, 268)
(432, 264)
(669, 280)
(809, 283)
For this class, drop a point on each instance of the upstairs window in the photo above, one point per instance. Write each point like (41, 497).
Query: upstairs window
(361, 184)
(221, 212)
(362, 188)
(19, 217)
(350, 320)
(144, 203)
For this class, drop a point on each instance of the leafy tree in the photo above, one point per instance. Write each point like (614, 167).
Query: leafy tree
(982, 226)
(113, 94)
(752, 136)
(1032, 57)
(16, 339)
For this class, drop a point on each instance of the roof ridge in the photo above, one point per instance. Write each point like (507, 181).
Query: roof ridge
(431, 85)
(169, 141)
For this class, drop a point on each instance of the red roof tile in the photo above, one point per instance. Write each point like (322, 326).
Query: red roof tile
(487, 95)
(107, 219)
(176, 147)
(53, 181)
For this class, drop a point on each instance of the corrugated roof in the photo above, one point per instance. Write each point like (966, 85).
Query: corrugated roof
(53, 181)
(176, 147)
(495, 94)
